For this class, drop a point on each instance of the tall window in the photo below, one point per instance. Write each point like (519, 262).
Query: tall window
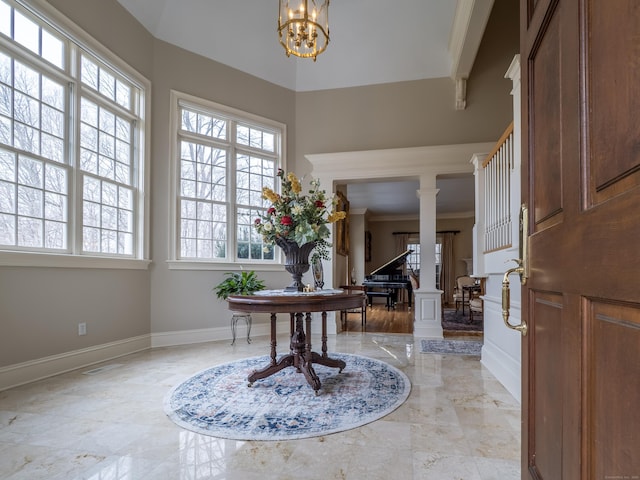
(70, 134)
(224, 158)
(413, 259)
(438, 261)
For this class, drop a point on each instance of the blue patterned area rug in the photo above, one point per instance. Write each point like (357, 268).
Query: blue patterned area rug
(452, 347)
(219, 402)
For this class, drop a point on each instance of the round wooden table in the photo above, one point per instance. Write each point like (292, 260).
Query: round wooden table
(299, 306)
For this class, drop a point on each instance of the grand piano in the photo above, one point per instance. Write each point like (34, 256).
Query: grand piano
(386, 280)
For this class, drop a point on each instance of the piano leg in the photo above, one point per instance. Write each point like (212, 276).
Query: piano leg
(394, 298)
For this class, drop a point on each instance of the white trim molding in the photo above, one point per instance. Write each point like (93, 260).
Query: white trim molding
(34, 259)
(502, 366)
(26, 372)
(469, 24)
(41, 368)
(411, 162)
(202, 335)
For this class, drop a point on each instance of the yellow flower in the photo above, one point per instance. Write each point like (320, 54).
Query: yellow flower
(295, 183)
(269, 195)
(335, 216)
(297, 217)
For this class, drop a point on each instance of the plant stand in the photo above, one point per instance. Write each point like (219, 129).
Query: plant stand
(234, 323)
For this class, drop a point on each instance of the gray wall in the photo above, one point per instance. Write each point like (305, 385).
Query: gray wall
(183, 300)
(40, 308)
(416, 113)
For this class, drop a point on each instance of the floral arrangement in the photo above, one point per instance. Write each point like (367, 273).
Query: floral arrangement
(296, 217)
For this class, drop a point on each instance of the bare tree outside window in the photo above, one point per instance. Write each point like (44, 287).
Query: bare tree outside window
(40, 164)
(223, 165)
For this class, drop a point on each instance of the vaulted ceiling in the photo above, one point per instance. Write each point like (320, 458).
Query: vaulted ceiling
(372, 42)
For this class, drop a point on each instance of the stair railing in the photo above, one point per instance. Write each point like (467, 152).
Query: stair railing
(498, 167)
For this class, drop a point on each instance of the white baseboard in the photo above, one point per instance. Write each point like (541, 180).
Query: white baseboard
(425, 331)
(21, 373)
(186, 337)
(504, 367)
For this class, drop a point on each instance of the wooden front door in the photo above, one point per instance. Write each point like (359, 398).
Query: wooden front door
(581, 181)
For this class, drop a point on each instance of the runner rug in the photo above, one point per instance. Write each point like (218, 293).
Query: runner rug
(451, 347)
(219, 402)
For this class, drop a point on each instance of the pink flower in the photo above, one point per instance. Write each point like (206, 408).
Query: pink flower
(319, 203)
(286, 220)
(257, 221)
(271, 211)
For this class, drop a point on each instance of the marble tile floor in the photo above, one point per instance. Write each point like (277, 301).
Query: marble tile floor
(458, 423)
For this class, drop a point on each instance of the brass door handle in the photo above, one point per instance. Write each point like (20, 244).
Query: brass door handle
(522, 269)
(506, 299)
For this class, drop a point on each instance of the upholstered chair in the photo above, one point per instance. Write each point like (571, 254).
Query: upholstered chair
(475, 307)
(458, 293)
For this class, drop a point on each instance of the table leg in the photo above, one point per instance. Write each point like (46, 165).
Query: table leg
(324, 358)
(363, 314)
(306, 361)
(463, 290)
(297, 343)
(274, 366)
(274, 339)
(324, 333)
(301, 356)
(291, 324)
(234, 322)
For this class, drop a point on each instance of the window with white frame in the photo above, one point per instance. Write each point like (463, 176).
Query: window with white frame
(438, 260)
(71, 130)
(223, 160)
(413, 259)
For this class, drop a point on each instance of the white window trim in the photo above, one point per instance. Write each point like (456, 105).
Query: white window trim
(37, 259)
(173, 262)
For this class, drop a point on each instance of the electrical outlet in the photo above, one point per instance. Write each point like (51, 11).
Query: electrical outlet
(82, 328)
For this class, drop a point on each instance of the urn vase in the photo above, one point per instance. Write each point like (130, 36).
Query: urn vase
(296, 261)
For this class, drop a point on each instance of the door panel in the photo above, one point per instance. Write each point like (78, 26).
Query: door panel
(546, 439)
(581, 180)
(612, 61)
(612, 415)
(544, 71)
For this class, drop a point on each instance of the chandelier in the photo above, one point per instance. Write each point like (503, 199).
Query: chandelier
(303, 27)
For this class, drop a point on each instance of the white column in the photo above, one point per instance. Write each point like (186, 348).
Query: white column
(479, 226)
(428, 321)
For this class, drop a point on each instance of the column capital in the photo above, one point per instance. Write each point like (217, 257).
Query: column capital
(477, 159)
(427, 192)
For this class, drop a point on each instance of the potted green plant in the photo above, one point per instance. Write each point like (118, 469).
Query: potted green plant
(239, 283)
